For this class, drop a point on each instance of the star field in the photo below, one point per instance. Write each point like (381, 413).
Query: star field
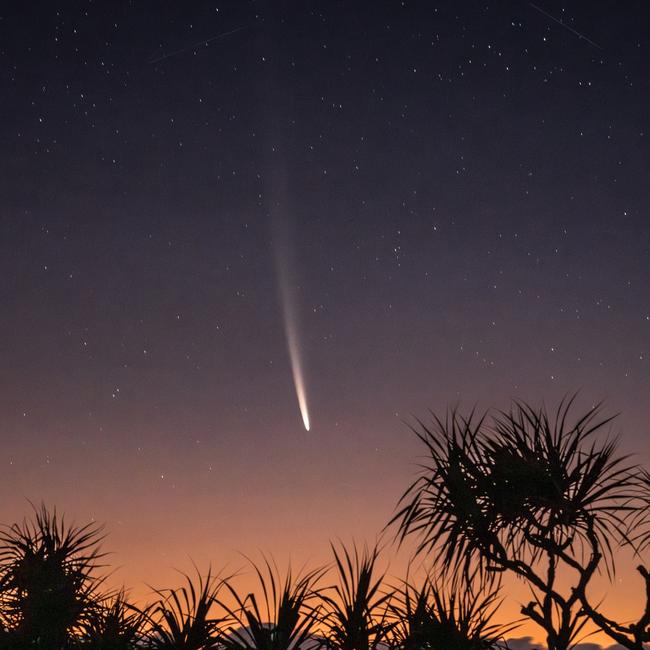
(466, 190)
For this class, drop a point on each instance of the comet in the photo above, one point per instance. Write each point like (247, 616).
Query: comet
(291, 321)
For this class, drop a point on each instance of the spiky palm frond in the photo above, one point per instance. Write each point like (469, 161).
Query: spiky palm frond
(521, 485)
(113, 624)
(458, 617)
(281, 616)
(47, 577)
(554, 484)
(182, 619)
(529, 492)
(445, 507)
(356, 615)
(639, 523)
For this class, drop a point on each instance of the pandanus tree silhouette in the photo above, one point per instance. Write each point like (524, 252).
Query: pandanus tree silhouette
(631, 634)
(183, 618)
(534, 494)
(47, 580)
(456, 616)
(355, 612)
(282, 616)
(113, 624)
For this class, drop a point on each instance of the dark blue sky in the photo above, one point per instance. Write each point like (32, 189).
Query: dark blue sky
(466, 187)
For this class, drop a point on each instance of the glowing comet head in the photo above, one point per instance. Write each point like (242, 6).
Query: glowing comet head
(305, 418)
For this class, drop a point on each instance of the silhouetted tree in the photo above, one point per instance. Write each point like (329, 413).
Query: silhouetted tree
(529, 493)
(47, 579)
(113, 624)
(281, 617)
(636, 634)
(356, 615)
(183, 618)
(459, 616)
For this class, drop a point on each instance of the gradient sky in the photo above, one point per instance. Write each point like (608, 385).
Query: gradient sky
(463, 192)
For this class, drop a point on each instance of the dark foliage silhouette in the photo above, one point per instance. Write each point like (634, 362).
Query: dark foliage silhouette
(183, 618)
(460, 616)
(544, 496)
(631, 634)
(355, 615)
(527, 492)
(282, 616)
(47, 579)
(113, 624)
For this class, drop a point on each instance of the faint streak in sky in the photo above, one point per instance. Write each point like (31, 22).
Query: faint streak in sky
(563, 24)
(203, 42)
(290, 318)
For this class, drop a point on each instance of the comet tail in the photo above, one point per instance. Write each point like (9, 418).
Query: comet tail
(291, 331)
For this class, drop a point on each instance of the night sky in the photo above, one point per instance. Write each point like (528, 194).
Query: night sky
(453, 197)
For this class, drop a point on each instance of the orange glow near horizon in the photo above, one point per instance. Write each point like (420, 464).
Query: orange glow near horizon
(226, 224)
(150, 539)
(624, 598)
